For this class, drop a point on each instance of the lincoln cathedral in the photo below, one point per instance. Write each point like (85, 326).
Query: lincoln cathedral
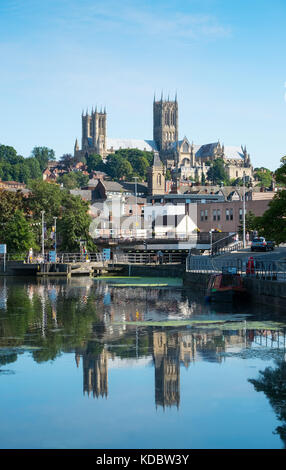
(191, 160)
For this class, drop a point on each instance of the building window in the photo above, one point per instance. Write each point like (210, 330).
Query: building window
(240, 214)
(218, 214)
(214, 214)
(202, 216)
(206, 214)
(227, 214)
(231, 214)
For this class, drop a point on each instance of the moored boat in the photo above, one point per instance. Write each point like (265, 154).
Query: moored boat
(226, 287)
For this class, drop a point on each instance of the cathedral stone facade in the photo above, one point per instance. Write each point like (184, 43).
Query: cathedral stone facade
(190, 160)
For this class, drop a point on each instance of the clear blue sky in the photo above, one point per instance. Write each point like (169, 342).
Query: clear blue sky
(225, 59)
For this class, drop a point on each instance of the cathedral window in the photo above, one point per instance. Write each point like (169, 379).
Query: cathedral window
(185, 147)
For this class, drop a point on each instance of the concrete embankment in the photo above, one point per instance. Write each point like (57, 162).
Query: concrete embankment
(158, 270)
(267, 292)
(262, 291)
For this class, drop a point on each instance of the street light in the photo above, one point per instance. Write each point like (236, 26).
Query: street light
(244, 209)
(136, 223)
(55, 244)
(43, 236)
(211, 240)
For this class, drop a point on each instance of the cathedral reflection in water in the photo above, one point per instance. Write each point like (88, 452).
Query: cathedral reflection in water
(108, 327)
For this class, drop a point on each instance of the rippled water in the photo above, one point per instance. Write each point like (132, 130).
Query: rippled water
(93, 363)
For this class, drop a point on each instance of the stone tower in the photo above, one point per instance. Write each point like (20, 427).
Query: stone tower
(156, 176)
(94, 132)
(165, 122)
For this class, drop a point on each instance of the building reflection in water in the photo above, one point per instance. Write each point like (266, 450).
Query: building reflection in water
(95, 372)
(166, 353)
(96, 316)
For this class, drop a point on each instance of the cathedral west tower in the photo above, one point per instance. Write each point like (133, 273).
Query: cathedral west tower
(165, 123)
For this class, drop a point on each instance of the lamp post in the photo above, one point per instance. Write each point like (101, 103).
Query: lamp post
(43, 236)
(136, 223)
(211, 241)
(55, 244)
(243, 209)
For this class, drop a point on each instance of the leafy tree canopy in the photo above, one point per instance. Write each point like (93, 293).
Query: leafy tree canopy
(264, 175)
(216, 172)
(43, 155)
(94, 162)
(74, 179)
(18, 234)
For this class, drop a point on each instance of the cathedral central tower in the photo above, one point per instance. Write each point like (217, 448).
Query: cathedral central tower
(165, 123)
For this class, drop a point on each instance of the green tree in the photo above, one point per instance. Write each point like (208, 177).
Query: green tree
(44, 196)
(74, 224)
(94, 162)
(216, 172)
(9, 203)
(117, 167)
(272, 224)
(43, 155)
(74, 179)
(264, 176)
(18, 234)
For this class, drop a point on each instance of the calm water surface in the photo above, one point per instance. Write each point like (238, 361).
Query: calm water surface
(90, 363)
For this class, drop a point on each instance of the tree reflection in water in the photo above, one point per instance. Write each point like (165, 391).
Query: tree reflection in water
(272, 382)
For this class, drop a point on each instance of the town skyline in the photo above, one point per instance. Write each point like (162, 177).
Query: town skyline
(57, 59)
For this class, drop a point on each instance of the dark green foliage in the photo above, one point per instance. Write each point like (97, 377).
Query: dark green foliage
(94, 163)
(43, 155)
(74, 179)
(14, 167)
(264, 176)
(216, 173)
(125, 164)
(9, 203)
(272, 224)
(74, 224)
(18, 234)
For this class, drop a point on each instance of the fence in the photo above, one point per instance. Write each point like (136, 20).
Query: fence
(61, 257)
(206, 264)
(263, 269)
(216, 251)
(150, 258)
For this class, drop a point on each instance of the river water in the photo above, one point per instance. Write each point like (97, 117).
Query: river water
(125, 363)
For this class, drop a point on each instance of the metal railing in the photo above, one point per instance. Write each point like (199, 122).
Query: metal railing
(263, 269)
(206, 264)
(150, 258)
(60, 258)
(216, 251)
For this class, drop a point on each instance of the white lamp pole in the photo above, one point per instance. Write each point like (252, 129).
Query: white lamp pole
(136, 178)
(244, 210)
(43, 236)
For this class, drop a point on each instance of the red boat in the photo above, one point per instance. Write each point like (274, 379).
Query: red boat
(226, 287)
